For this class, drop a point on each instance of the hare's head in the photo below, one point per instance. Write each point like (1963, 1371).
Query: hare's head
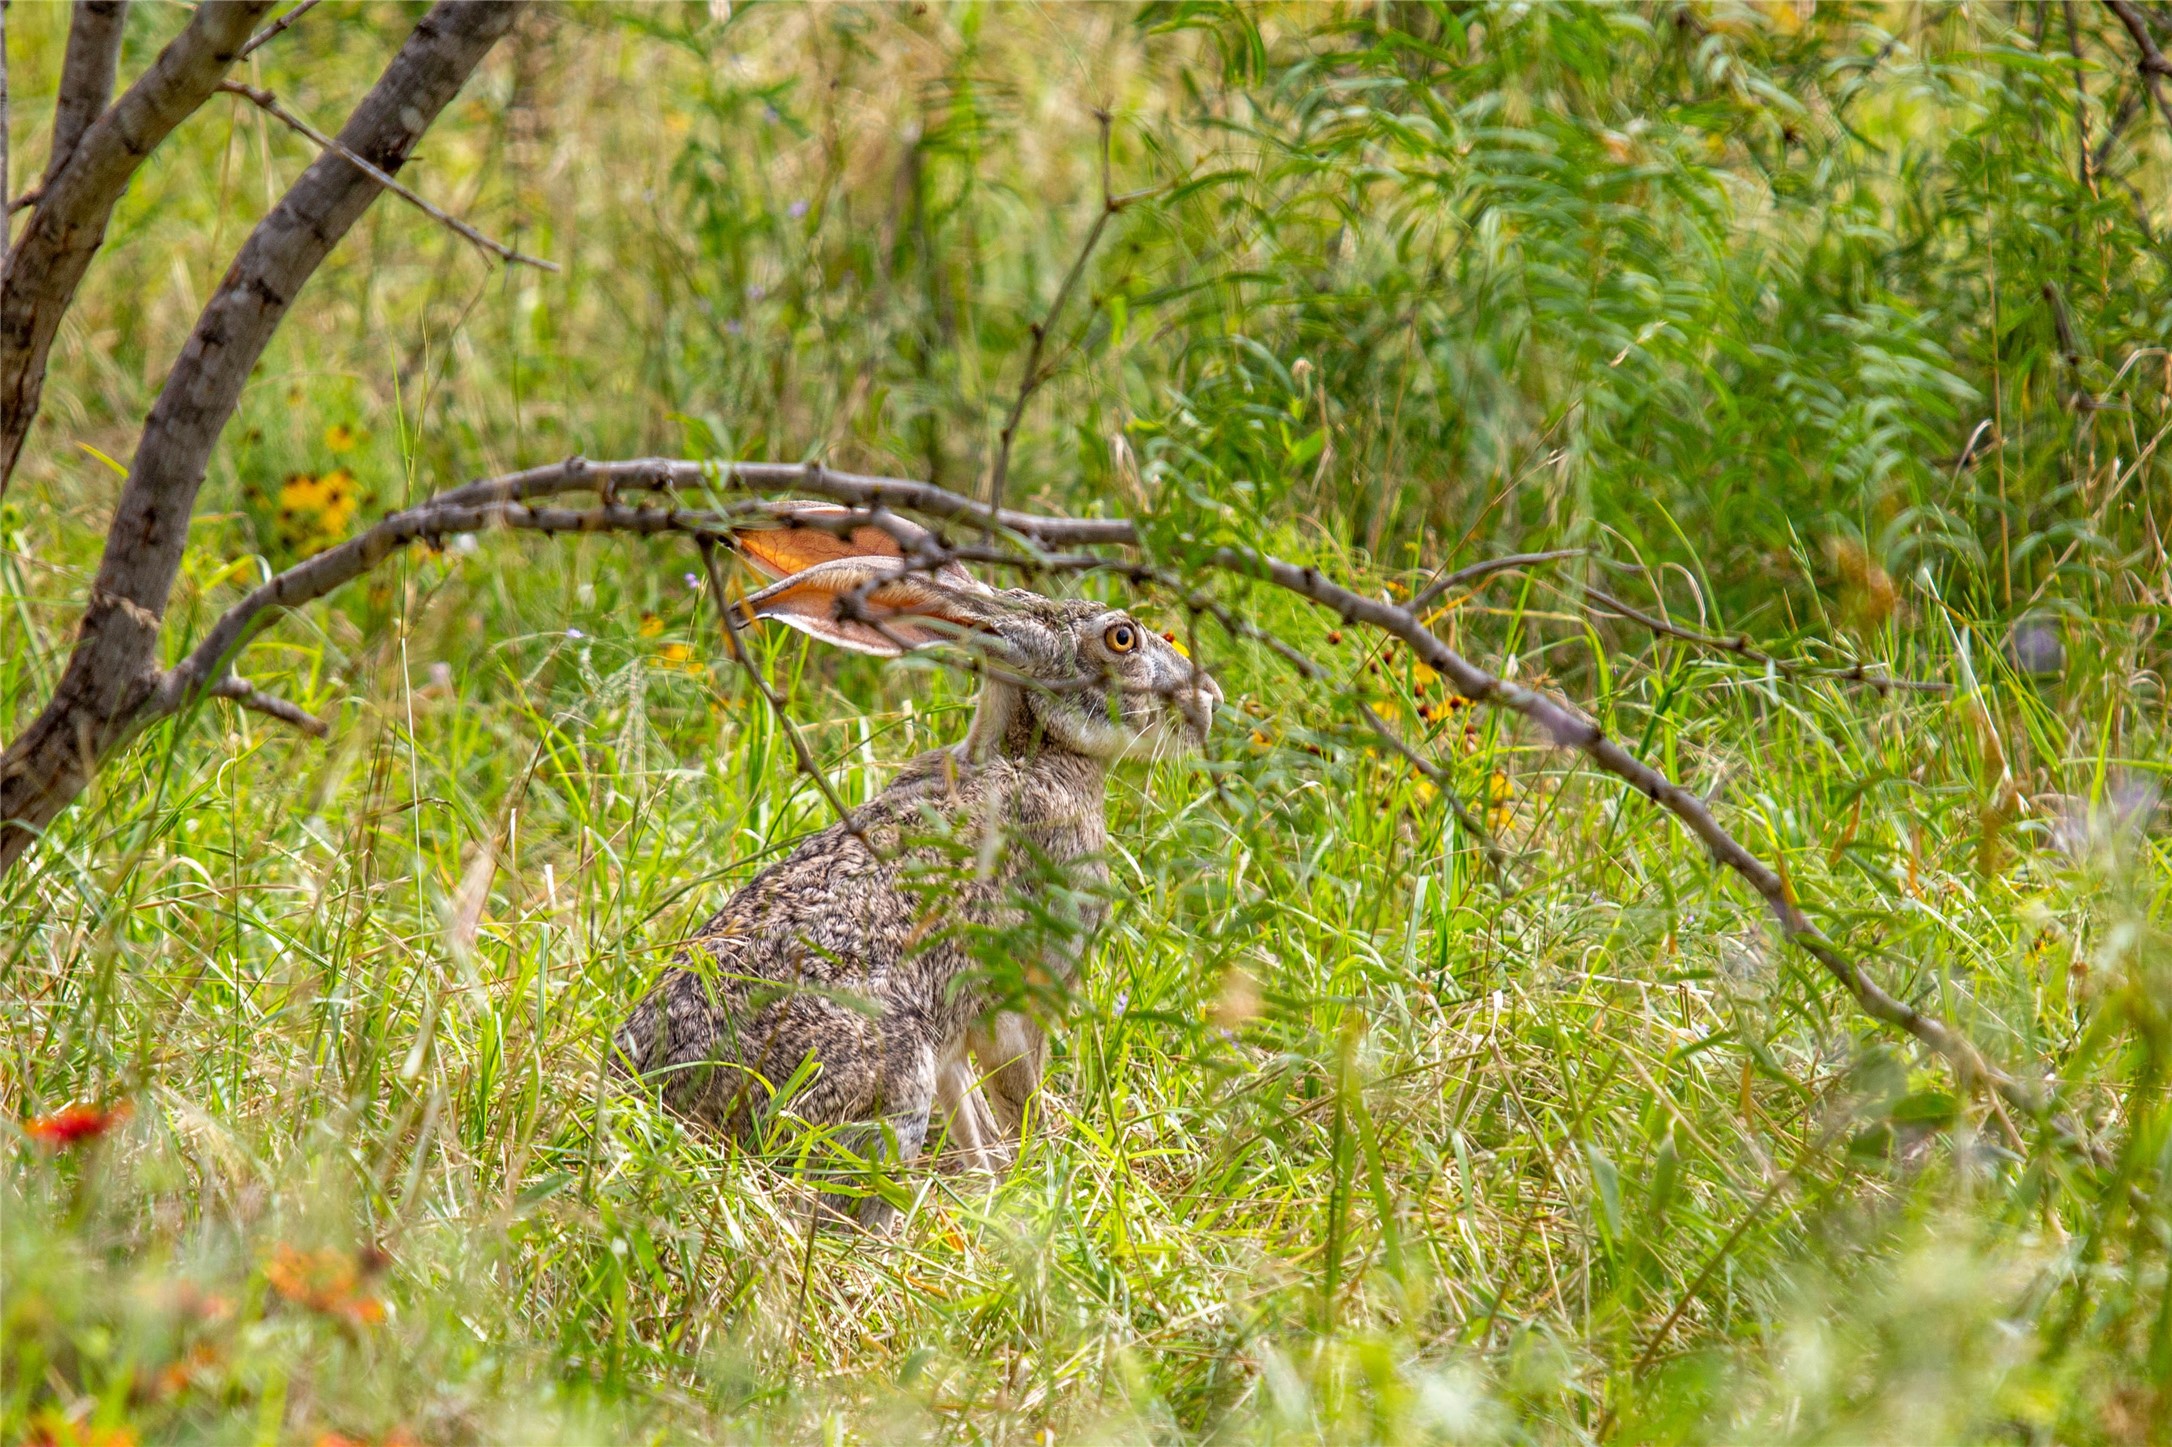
(1081, 675)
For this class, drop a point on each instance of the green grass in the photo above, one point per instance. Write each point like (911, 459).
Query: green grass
(1344, 1141)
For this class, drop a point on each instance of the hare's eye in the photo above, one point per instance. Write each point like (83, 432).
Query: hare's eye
(1121, 637)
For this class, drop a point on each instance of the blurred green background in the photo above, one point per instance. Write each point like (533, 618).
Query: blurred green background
(1839, 325)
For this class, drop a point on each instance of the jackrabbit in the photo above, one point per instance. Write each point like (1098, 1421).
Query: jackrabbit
(848, 967)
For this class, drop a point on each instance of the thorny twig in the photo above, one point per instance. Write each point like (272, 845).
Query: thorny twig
(1030, 382)
(265, 101)
(271, 31)
(777, 710)
(1496, 857)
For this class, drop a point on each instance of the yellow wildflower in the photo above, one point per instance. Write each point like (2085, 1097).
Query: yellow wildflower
(1501, 792)
(314, 511)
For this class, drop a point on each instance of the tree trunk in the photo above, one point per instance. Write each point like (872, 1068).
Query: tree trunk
(69, 222)
(86, 75)
(112, 672)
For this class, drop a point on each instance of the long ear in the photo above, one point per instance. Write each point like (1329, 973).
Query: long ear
(866, 605)
(811, 533)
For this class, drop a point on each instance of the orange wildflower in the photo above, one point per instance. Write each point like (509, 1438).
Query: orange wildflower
(328, 1281)
(51, 1429)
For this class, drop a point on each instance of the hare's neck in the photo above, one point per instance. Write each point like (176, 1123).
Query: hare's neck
(1004, 726)
(1059, 797)
(1002, 710)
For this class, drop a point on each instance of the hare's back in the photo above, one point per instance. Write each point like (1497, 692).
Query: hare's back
(829, 913)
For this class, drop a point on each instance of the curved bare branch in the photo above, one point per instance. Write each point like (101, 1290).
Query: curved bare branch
(508, 501)
(1569, 728)
(240, 691)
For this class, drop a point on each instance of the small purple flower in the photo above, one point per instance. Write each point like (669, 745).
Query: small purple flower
(732, 327)
(1123, 1000)
(693, 582)
(575, 633)
(796, 210)
(757, 291)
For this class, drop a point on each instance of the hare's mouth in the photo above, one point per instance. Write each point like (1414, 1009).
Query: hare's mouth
(1182, 723)
(1197, 705)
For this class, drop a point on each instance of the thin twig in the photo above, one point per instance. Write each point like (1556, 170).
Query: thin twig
(1741, 647)
(1496, 857)
(807, 764)
(265, 101)
(237, 689)
(1031, 381)
(271, 31)
(1479, 572)
(1571, 729)
(2153, 65)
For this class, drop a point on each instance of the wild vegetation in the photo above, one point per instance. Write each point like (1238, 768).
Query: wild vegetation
(1825, 342)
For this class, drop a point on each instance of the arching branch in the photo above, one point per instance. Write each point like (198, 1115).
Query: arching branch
(512, 502)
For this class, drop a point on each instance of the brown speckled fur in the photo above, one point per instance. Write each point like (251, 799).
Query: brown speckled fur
(852, 959)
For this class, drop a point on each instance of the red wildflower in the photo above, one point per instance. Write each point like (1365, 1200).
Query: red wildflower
(73, 1124)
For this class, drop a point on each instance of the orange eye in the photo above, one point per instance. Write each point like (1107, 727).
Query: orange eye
(1121, 638)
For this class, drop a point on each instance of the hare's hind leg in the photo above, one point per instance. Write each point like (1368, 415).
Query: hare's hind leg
(972, 1140)
(895, 1137)
(1011, 1055)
